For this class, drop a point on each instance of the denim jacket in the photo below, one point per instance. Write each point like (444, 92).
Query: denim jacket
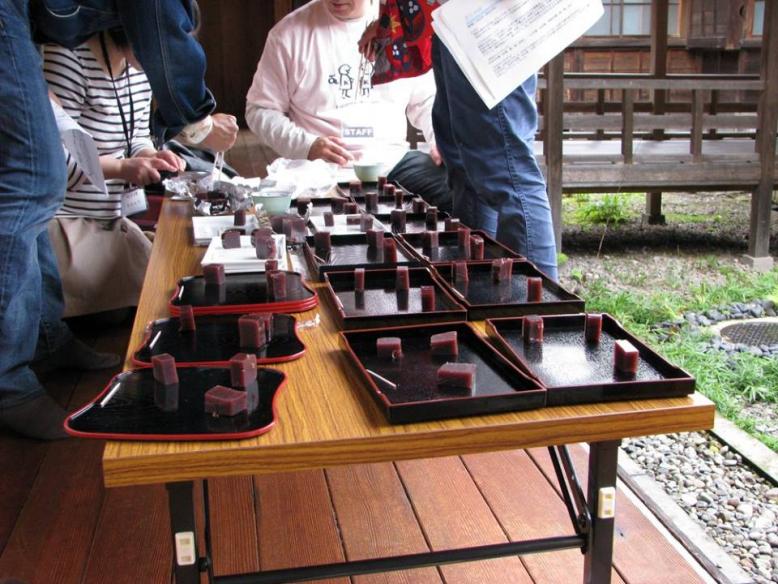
(159, 31)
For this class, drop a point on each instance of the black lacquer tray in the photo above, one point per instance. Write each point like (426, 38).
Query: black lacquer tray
(414, 222)
(342, 226)
(500, 386)
(448, 249)
(135, 407)
(351, 251)
(215, 341)
(240, 294)
(319, 205)
(381, 305)
(386, 204)
(485, 298)
(574, 372)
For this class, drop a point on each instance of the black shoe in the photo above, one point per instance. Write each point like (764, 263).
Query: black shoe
(76, 354)
(41, 418)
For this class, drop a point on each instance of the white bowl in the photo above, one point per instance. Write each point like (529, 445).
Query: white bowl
(368, 172)
(275, 202)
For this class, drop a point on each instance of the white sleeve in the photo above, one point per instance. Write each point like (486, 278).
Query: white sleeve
(419, 110)
(267, 104)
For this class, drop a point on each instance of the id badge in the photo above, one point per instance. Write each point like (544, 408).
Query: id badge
(134, 202)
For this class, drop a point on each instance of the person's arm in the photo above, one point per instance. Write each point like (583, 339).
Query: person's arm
(277, 131)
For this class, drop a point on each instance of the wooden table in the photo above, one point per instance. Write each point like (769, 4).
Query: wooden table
(325, 418)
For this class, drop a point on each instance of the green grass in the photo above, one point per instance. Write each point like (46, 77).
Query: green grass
(600, 209)
(728, 381)
(687, 218)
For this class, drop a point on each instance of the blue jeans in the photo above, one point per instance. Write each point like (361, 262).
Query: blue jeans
(417, 173)
(496, 182)
(32, 184)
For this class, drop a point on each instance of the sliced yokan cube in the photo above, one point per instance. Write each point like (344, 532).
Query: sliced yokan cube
(302, 205)
(355, 187)
(502, 269)
(390, 251)
(239, 219)
(402, 278)
(353, 219)
(431, 218)
(534, 289)
(389, 190)
(451, 224)
(399, 199)
(271, 265)
(186, 319)
(398, 219)
(381, 183)
(322, 242)
(429, 240)
(457, 375)
(375, 238)
(351, 208)
(265, 246)
(532, 329)
(625, 357)
(461, 272)
(389, 347)
(463, 238)
(365, 222)
(214, 274)
(276, 285)
(428, 298)
(593, 328)
(294, 229)
(476, 247)
(359, 280)
(371, 202)
(165, 371)
(418, 205)
(444, 344)
(337, 205)
(329, 219)
(251, 331)
(243, 369)
(231, 239)
(225, 401)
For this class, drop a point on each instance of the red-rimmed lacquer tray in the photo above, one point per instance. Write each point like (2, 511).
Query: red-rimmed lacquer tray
(241, 294)
(215, 340)
(380, 304)
(406, 389)
(485, 298)
(574, 371)
(134, 406)
(448, 249)
(414, 222)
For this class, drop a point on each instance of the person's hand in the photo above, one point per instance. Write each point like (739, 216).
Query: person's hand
(435, 155)
(176, 162)
(331, 149)
(143, 171)
(366, 44)
(223, 134)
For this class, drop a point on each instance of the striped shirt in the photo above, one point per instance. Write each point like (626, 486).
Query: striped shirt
(87, 95)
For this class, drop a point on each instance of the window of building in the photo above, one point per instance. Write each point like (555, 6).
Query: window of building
(758, 28)
(632, 17)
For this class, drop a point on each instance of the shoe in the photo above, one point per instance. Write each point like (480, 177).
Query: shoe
(76, 354)
(41, 418)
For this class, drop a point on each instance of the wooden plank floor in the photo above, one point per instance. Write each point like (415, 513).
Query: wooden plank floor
(59, 525)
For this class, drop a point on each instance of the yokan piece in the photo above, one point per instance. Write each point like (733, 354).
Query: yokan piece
(399, 199)
(239, 219)
(402, 278)
(231, 239)
(532, 329)
(461, 272)
(294, 229)
(381, 183)
(375, 238)
(534, 289)
(225, 401)
(398, 218)
(431, 218)
(429, 240)
(451, 224)
(265, 246)
(164, 369)
(365, 222)
(302, 205)
(389, 347)
(337, 204)
(353, 219)
(322, 242)
(418, 205)
(389, 190)
(252, 331)
(476, 247)
(463, 238)
(266, 320)
(186, 319)
(390, 250)
(243, 369)
(457, 375)
(403, 299)
(276, 224)
(351, 208)
(444, 344)
(271, 265)
(214, 274)
(355, 187)
(276, 285)
(502, 268)
(359, 280)
(625, 357)
(329, 218)
(371, 202)
(593, 328)
(428, 298)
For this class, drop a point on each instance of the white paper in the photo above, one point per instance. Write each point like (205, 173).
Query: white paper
(243, 259)
(80, 145)
(134, 202)
(499, 44)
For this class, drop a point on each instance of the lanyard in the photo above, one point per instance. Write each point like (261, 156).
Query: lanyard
(127, 130)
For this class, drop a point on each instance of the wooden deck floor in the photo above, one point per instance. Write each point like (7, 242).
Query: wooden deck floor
(58, 524)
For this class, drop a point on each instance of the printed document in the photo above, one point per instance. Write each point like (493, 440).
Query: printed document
(499, 44)
(80, 145)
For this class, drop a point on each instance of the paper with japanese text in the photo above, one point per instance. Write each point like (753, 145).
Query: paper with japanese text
(499, 44)
(81, 146)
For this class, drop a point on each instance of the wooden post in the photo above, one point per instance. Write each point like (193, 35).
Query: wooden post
(552, 146)
(698, 104)
(653, 215)
(659, 19)
(761, 199)
(627, 124)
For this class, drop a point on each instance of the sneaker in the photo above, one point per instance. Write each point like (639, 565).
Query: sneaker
(76, 354)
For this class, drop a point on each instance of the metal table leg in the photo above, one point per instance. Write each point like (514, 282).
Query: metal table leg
(603, 462)
(186, 561)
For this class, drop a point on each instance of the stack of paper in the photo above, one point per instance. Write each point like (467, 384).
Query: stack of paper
(244, 258)
(499, 44)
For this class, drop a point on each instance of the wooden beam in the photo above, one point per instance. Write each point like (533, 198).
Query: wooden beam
(659, 18)
(628, 124)
(555, 97)
(761, 200)
(698, 104)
